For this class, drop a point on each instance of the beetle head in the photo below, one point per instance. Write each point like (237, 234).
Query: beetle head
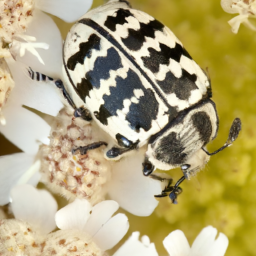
(180, 143)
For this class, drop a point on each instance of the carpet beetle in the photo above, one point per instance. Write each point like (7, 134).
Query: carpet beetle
(139, 84)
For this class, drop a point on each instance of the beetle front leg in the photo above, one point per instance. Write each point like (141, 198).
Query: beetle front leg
(78, 112)
(169, 190)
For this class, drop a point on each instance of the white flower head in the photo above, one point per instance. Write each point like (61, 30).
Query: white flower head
(133, 246)
(26, 34)
(206, 243)
(6, 86)
(245, 8)
(91, 176)
(22, 127)
(95, 222)
(36, 207)
(84, 230)
(88, 176)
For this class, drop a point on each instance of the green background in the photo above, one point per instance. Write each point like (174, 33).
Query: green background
(223, 194)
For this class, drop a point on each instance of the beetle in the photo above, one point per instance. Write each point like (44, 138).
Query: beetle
(133, 77)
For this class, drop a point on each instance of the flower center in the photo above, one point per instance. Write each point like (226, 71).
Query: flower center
(74, 176)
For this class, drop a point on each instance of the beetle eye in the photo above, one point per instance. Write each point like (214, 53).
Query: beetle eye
(148, 168)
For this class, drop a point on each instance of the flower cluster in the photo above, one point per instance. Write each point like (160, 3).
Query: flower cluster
(245, 8)
(86, 230)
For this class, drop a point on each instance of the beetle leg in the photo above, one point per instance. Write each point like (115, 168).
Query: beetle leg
(83, 150)
(176, 190)
(156, 177)
(161, 195)
(116, 152)
(125, 146)
(83, 113)
(173, 191)
(79, 112)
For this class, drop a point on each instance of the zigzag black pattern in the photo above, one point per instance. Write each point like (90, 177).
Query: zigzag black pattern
(120, 19)
(163, 56)
(136, 38)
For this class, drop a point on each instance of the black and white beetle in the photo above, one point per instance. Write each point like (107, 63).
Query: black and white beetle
(133, 77)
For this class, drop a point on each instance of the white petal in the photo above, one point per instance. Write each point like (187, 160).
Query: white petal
(101, 213)
(12, 167)
(37, 207)
(227, 6)
(177, 244)
(219, 247)
(145, 240)
(42, 96)
(32, 175)
(112, 232)
(205, 242)
(68, 10)
(24, 128)
(131, 189)
(202, 242)
(45, 30)
(136, 248)
(236, 22)
(74, 215)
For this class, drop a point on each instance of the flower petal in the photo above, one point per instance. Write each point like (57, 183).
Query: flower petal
(131, 189)
(136, 248)
(112, 232)
(177, 244)
(45, 30)
(101, 213)
(12, 168)
(68, 10)
(74, 215)
(204, 244)
(41, 96)
(24, 128)
(227, 5)
(219, 247)
(32, 175)
(37, 207)
(236, 22)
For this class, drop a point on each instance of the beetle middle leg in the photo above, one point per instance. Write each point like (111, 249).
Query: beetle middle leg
(83, 150)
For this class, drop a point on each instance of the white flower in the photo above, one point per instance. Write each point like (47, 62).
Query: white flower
(17, 169)
(25, 27)
(91, 176)
(135, 247)
(23, 127)
(246, 10)
(16, 17)
(95, 221)
(84, 229)
(34, 206)
(86, 176)
(206, 243)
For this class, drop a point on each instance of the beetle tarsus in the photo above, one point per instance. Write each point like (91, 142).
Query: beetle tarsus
(83, 113)
(172, 191)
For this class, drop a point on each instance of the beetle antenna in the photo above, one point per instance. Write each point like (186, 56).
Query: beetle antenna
(233, 134)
